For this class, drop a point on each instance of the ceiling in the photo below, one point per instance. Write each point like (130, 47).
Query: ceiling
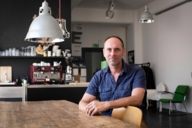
(119, 4)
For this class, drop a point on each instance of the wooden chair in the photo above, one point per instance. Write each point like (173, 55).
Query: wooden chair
(130, 114)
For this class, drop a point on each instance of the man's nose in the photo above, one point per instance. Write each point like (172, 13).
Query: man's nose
(112, 52)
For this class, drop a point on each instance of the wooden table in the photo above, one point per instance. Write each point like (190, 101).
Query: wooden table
(52, 114)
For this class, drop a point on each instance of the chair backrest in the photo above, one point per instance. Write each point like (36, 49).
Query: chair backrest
(180, 93)
(161, 87)
(130, 114)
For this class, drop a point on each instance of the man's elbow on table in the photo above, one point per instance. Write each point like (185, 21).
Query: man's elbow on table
(86, 99)
(82, 106)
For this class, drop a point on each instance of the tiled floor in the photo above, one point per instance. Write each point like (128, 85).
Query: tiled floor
(155, 119)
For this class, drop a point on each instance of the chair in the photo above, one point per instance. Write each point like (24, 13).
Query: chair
(157, 94)
(130, 114)
(179, 96)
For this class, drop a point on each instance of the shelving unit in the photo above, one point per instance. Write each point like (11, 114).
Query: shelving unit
(12, 35)
(20, 64)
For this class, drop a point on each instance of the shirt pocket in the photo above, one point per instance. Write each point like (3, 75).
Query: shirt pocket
(124, 91)
(105, 94)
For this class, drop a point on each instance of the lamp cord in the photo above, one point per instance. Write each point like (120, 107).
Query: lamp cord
(59, 9)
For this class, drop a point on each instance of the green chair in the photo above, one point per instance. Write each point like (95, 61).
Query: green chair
(179, 96)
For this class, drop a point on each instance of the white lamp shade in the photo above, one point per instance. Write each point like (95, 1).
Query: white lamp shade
(110, 11)
(146, 17)
(45, 29)
(110, 14)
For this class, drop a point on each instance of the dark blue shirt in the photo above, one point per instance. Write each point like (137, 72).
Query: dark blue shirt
(105, 88)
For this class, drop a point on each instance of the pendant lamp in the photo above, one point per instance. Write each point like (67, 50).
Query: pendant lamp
(146, 16)
(110, 10)
(62, 24)
(44, 28)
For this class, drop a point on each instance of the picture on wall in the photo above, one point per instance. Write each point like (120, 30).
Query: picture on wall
(131, 59)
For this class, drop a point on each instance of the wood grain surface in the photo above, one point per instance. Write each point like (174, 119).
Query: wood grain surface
(52, 114)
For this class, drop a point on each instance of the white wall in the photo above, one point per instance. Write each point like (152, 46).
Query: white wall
(95, 33)
(95, 27)
(167, 45)
(98, 16)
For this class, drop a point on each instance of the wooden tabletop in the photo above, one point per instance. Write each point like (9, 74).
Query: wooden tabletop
(52, 114)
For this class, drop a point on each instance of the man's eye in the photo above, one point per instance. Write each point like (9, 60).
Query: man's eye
(116, 50)
(109, 50)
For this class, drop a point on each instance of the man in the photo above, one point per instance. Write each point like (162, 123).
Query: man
(118, 85)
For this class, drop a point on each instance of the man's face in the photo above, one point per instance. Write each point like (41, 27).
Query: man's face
(113, 51)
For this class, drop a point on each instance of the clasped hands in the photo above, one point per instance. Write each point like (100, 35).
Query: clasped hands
(95, 107)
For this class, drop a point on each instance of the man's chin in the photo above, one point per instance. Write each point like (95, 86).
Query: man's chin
(114, 64)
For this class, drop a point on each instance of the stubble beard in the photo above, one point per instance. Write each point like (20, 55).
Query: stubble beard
(114, 63)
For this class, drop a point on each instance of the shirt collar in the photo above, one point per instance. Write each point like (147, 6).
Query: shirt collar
(124, 68)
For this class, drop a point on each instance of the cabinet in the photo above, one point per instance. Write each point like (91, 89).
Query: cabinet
(71, 93)
(12, 93)
(68, 92)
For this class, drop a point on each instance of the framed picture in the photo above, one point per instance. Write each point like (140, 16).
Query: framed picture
(5, 74)
(131, 59)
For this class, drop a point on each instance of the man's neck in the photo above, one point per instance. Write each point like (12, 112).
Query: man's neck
(116, 69)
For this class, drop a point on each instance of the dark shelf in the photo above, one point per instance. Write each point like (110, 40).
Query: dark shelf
(21, 64)
(30, 57)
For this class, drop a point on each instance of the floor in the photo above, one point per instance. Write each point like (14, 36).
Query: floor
(155, 119)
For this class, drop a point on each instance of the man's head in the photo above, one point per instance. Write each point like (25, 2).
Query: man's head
(113, 50)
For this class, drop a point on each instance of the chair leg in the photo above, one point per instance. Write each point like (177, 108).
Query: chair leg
(170, 107)
(160, 106)
(175, 106)
(147, 104)
(185, 107)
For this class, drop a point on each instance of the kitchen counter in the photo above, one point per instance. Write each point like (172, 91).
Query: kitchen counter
(72, 92)
(58, 85)
(12, 92)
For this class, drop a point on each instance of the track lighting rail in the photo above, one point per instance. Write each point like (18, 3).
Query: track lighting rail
(172, 7)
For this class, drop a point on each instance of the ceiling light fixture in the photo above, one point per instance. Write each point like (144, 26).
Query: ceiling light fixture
(62, 23)
(110, 10)
(146, 16)
(44, 28)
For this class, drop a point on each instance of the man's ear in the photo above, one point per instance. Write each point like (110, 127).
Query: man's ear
(124, 52)
(103, 52)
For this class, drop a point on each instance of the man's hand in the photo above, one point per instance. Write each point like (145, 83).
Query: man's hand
(95, 107)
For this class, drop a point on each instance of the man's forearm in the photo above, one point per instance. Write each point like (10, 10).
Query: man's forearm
(135, 99)
(126, 101)
(86, 99)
